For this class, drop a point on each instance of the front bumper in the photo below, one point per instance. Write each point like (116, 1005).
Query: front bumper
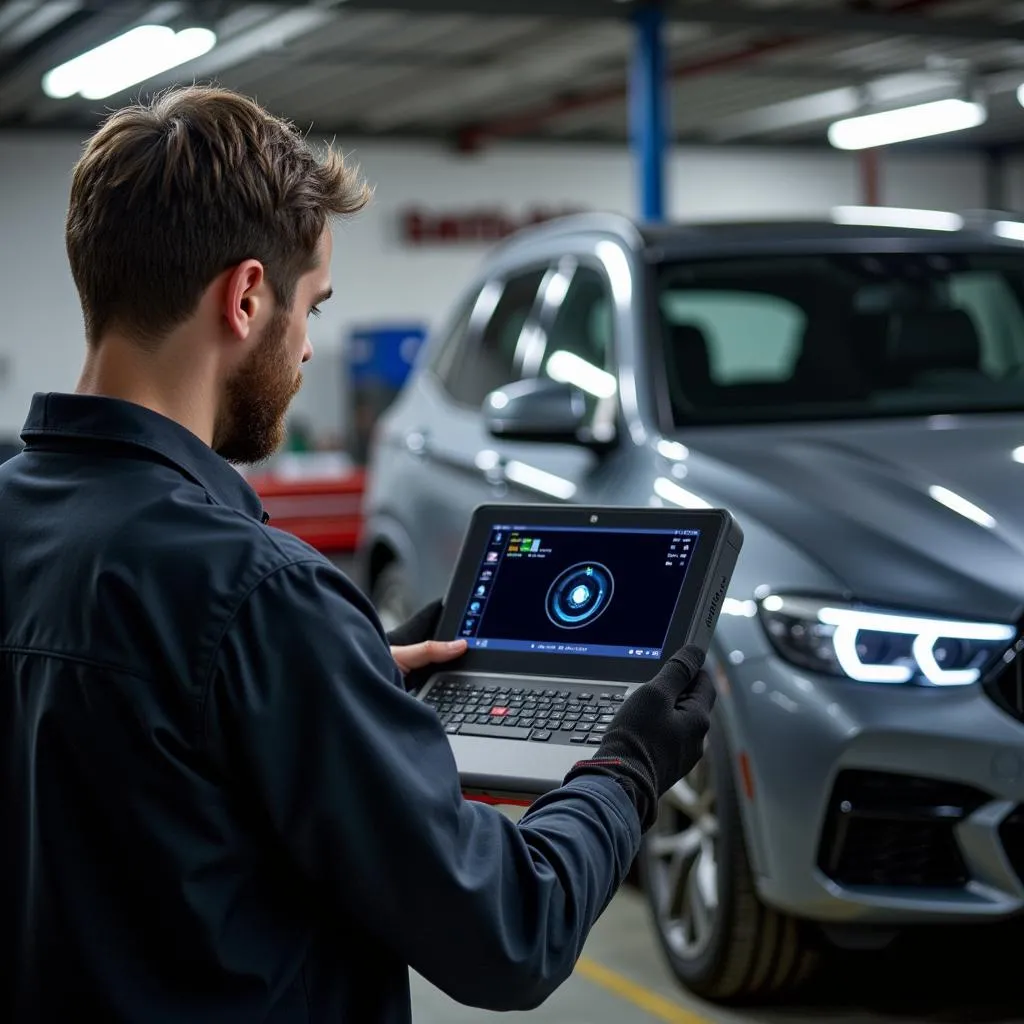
(940, 773)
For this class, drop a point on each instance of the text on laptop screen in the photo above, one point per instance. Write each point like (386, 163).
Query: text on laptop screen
(572, 590)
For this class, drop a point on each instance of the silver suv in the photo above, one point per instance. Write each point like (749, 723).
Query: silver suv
(854, 396)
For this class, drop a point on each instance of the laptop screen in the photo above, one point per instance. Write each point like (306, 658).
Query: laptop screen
(600, 591)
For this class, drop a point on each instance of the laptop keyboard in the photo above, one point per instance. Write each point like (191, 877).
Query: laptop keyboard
(565, 713)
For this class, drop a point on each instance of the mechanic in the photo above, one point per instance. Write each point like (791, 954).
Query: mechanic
(219, 803)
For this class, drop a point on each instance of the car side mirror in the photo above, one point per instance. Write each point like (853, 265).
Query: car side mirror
(537, 410)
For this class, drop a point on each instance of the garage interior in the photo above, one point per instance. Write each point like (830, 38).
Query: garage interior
(473, 119)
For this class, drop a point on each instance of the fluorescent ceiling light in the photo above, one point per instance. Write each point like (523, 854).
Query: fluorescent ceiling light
(900, 90)
(894, 217)
(1010, 229)
(124, 61)
(1018, 454)
(917, 122)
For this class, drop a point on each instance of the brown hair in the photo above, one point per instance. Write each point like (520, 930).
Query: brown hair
(170, 193)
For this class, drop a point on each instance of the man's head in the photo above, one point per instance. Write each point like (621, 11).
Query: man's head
(200, 218)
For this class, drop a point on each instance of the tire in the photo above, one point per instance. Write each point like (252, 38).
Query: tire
(739, 950)
(390, 597)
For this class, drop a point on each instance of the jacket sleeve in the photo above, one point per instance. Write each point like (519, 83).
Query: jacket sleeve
(305, 708)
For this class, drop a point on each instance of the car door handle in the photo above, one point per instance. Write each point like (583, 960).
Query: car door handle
(418, 442)
(491, 466)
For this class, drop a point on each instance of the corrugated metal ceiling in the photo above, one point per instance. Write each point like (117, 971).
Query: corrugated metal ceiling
(467, 69)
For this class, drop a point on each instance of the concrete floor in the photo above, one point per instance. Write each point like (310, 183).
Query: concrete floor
(621, 979)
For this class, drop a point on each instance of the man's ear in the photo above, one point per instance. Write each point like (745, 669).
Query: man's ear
(243, 297)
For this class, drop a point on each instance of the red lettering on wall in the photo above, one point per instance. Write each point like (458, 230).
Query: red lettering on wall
(423, 227)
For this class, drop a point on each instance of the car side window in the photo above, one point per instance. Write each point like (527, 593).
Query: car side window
(996, 317)
(750, 337)
(491, 363)
(446, 354)
(579, 341)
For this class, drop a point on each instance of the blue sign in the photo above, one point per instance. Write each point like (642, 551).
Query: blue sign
(384, 354)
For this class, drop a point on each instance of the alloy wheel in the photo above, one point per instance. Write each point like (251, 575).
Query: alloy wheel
(682, 852)
(390, 614)
(389, 599)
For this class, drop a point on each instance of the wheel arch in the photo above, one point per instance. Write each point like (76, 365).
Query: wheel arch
(384, 541)
(726, 720)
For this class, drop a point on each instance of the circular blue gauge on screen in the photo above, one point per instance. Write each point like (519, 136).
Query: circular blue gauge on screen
(579, 595)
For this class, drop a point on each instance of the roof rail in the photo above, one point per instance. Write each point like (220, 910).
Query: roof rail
(607, 223)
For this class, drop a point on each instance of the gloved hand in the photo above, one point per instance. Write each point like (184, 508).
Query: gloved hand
(415, 651)
(657, 736)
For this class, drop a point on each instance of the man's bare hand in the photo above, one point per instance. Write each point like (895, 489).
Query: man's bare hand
(430, 652)
(414, 650)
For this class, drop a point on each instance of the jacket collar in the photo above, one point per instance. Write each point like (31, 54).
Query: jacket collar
(56, 418)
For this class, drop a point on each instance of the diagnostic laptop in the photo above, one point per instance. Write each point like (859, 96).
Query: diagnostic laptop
(566, 610)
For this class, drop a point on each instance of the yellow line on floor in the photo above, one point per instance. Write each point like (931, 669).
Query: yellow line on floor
(650, 1002)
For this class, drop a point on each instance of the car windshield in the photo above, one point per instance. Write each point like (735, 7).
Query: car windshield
(842, 336)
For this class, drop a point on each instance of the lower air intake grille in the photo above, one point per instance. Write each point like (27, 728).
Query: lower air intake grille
(895, 830)
(1011, 832)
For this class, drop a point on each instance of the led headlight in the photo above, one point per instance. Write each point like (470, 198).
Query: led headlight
(873, 646)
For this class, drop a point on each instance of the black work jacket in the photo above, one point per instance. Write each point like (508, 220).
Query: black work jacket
(217, 802)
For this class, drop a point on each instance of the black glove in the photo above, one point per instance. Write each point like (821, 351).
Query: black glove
(657, 736)
(422, 626)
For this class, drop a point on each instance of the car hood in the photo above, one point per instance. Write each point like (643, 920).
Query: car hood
(925, 514)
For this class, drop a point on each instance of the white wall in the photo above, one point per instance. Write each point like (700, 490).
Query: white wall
(375, 276)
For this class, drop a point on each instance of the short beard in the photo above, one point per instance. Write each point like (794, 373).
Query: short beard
(251, 425)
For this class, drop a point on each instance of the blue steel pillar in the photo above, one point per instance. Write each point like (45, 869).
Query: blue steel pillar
(649, 110)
